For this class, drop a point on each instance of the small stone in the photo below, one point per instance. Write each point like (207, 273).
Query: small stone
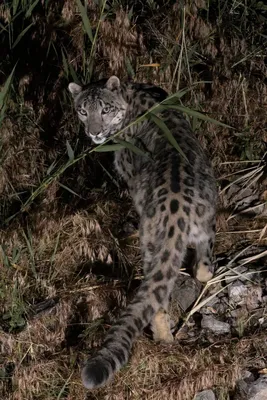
(211, 307)
(205, 310)
(211, 323)
(186, 291)
(254, 297)
(182, 333)
(243, 384)
(247, 376)
(192, 333)
(205, 395)
(237, 293)
(214, 306)
(212, 302)
(222, 307)
(239, 313)
(241, 390)
(258, 389)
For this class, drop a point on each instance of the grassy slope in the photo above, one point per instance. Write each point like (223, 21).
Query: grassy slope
(75, 242)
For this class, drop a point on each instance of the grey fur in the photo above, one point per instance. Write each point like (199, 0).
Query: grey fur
(175, 199)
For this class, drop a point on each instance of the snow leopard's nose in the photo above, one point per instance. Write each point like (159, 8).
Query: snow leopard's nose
(96, 135)
(91, 133)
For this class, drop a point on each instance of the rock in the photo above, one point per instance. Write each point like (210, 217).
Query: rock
(237, 293)
(258, 389)
(223, 306)
(242, 385)
(254, 297)
(186, 291)
(212, 302)
(249, 295)
(247, 376)
(211, 323)
(182, 333)
(205, 395)
(215, 306)
(208, 310)
(211, 306)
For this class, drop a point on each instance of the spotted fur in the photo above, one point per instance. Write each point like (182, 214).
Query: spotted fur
(175, 198)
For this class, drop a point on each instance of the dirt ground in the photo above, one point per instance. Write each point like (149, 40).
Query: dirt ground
(69, 252)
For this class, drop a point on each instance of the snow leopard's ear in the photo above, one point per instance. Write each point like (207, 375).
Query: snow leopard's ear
(113, 83)
(74, 89)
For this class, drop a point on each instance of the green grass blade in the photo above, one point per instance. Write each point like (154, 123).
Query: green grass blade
(30, 9)
(74, 75)
(129, 68)
(91, 61)
(4, 256)
(16, 253)
(85, 19)
(108, 147)
(2, 114)
(62, 393)
(109, 174)
(167, 133)
(65, 64)
(5, 88)
(21, 35)
(4, 93)
(132, 147)
(51, 167)
(196, 114)
(70, 151)
(52, 259)
(28, 240)
(181, 93)
(3, 28)
(69, 189)
(15, 4)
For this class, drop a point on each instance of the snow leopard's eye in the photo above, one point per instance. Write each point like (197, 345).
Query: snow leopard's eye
(82, 111)
(106, 110)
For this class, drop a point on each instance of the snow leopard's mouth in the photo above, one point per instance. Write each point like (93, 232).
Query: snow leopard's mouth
(97, 139)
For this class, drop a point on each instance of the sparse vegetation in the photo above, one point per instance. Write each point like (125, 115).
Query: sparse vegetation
(69, 255)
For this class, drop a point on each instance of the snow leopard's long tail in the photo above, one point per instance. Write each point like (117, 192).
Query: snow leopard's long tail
(154, 292)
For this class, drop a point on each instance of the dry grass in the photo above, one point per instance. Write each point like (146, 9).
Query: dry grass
(76, 241)
(176, 371)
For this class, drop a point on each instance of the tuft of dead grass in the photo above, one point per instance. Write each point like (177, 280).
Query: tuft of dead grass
(179, 371)
(119, 42)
